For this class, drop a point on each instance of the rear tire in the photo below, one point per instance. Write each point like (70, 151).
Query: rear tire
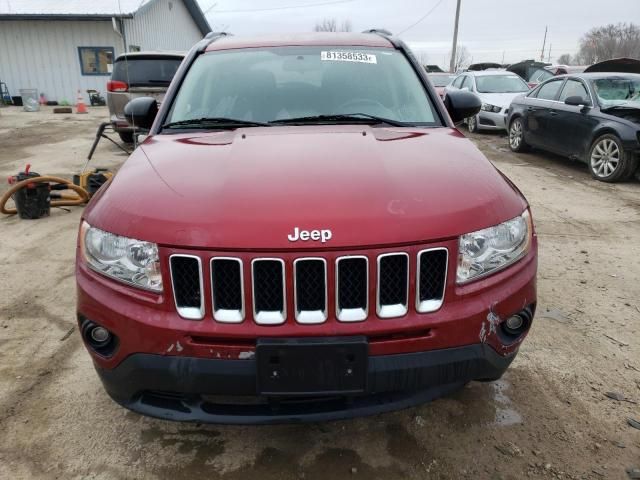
(516, 136)
(472, 124)
(126, 137)
(608, 161)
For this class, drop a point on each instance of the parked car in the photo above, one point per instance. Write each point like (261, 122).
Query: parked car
(303, 235)
(592, 117)
(441, 80)
(496, 89)
(534, 72)
(138, 74)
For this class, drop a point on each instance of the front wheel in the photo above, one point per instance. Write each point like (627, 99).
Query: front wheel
(608, 162)
(516, 136)
(472, 124)
(126, 137)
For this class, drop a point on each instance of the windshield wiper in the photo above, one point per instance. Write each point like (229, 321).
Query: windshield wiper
(217, 122)
(341, 118)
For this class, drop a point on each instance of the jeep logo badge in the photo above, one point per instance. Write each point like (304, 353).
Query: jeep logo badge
(304, 235)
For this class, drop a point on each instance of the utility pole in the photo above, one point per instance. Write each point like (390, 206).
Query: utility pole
(544, 44)
(549, 56)
(452, 63)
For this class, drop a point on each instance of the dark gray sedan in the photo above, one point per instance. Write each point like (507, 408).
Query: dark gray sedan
(592, 117)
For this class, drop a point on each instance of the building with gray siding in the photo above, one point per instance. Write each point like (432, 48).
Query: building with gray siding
(60, 47)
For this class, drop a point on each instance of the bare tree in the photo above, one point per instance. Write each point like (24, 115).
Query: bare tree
(331, 25)
(463, 58)
(565, 59)
(610, 41)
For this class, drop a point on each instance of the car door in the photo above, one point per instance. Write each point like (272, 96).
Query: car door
(537, 115)
(570, 126)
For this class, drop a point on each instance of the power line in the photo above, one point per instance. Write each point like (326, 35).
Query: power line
(247, 10)
(421, 18)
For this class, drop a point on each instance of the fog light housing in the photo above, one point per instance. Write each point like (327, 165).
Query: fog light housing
(516, 325)
(97, 338)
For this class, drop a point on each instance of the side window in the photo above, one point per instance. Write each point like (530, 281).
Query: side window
(549, 90)
(96, 60)
(573, 88)
(466, 83)
(458, 81)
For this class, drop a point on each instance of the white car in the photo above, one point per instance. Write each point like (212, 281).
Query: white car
(496, 89)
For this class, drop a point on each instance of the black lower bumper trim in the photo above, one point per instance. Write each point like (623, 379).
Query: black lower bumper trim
(224, 391)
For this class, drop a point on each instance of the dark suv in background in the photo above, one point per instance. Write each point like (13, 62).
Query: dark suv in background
(138, 74)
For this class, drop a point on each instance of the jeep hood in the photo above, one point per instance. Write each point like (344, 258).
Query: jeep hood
(249, 188)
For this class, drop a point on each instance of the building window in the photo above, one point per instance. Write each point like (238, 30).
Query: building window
(96, 60)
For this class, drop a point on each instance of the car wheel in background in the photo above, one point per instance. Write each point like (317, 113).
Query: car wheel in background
(608, 162)
(516, 136)
(126, 137)
(472, 124)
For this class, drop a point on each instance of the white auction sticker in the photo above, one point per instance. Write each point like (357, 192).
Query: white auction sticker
(348, 57)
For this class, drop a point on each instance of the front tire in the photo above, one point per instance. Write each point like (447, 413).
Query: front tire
(516, 136)
(608, 162)
(472, 124)
(126, 137)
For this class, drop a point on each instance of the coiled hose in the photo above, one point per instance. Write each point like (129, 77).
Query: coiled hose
(81, 198)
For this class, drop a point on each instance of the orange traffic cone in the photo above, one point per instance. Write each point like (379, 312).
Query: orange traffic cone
(80, 106)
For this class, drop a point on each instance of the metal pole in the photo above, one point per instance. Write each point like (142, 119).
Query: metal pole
(452, 63)
(544, 44)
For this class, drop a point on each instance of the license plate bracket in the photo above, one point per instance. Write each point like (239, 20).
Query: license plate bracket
(311, 366)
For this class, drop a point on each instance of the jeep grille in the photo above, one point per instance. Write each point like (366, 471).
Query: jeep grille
(317, 285)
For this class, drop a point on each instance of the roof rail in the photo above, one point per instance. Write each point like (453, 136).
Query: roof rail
(379, 31)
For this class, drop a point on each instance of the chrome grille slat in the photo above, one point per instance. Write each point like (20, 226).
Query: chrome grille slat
(431, 275)
(187, 285)
(227, 289)
(268, 291)
(393, 285)
(310, 290)
(352, 288)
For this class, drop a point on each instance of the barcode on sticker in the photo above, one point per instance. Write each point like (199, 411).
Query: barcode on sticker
(348, 57)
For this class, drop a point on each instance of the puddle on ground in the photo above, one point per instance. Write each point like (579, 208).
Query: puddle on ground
(506, 415)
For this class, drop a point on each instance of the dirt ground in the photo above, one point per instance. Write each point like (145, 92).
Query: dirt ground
(548, 417)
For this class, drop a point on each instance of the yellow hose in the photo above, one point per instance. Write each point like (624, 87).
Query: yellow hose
(67, 201)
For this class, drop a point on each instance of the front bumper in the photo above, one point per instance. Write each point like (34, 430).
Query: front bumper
(492, 121)
(181, 388)
(164, 365)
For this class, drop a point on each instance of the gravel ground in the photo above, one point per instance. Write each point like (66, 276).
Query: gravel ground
(549, 417)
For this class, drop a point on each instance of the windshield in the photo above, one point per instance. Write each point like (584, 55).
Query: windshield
(501, 84)
(146, 71)
(441, 80)
(265, 85)
(617, 91)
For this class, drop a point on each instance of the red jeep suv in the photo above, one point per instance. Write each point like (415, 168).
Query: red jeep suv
(304, 235)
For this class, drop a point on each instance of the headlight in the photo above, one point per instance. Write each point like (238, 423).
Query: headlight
(493, 248)
(487, 107)
(130, 261)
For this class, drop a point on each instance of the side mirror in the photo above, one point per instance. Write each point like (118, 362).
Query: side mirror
(576, 101)
(461, 104)
(141, 112)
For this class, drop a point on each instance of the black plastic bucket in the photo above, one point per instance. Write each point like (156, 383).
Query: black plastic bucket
(32, 201)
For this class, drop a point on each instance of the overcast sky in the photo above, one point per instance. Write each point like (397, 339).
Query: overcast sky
(487, 27)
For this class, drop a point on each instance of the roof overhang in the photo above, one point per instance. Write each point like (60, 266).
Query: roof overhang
(62, 17)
